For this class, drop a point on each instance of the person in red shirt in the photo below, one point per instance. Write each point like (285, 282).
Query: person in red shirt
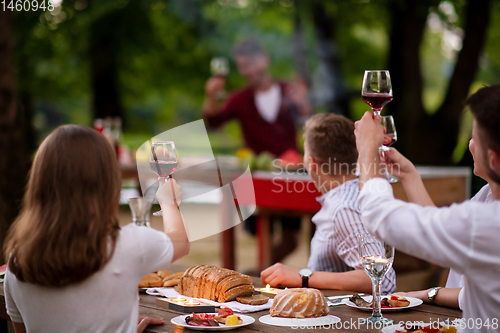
(267, 110)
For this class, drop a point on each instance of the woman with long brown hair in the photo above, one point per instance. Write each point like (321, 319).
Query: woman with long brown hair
(71, 267)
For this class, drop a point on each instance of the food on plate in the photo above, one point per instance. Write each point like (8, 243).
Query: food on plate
(174, 276)
(419, 328)
(253, 300)
(394, 301)
(159, 279)
(397, 301)
(214, 283)
(201, 319)
(359, 301)
(223, 314)
(299, 303)
(233, 320)
(163, 274)
(151, 280)
(171, 283)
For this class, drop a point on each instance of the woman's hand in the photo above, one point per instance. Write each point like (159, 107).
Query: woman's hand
(169, 192)
(145, 321)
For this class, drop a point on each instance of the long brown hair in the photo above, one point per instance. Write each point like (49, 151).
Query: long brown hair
(68, 224)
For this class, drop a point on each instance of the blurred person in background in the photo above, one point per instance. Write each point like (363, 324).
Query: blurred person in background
(267, 110)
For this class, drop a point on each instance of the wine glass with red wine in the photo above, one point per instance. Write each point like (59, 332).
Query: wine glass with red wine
(377, 89)
(390, 132)
(163, 161)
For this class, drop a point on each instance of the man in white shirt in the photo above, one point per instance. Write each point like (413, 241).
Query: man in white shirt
(452, 294)
(463, 236)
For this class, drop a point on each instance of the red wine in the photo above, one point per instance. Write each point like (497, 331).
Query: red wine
(393, 139)
(376, 101)
(163, 168)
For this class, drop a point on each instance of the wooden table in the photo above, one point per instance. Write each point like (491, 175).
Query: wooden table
(148, 307)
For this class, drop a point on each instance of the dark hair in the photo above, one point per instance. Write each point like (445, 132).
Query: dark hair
(68, 224)
(330, 138)
(485, 107)
(249, 47)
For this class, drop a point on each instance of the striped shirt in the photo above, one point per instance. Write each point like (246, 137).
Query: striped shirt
(334, 247)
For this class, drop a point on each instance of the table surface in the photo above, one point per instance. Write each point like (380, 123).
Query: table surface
(424, 312)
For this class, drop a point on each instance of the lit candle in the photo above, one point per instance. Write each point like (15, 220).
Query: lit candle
(269, 290)
(193, 302)
(179, 300)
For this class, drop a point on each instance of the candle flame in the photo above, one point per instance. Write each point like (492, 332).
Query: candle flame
(268, 287)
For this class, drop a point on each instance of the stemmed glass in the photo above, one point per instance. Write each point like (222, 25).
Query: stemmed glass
(376, 259)
(376, 90)
(219, 67)
(163, 161)
(390, 132)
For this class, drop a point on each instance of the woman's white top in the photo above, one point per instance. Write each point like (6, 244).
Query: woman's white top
(107, 301)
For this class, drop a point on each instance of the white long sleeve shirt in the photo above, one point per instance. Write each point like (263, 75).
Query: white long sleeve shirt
(465, 237)
(456, 280)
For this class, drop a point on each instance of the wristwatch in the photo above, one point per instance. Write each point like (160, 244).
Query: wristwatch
(431, 295)
(305, 273)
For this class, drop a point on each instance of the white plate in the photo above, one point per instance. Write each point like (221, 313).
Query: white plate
(181, 321)
(297, 322)
(393, 328)
(413, 302)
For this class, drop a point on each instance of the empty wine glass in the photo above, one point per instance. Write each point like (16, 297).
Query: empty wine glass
(163, 161)
(219, 67)
(390, 132)
(376, 90)
(376, 259)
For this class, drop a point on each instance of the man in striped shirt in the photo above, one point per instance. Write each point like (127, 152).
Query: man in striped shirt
(330, 157)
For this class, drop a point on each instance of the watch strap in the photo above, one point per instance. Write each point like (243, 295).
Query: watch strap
(305, 281)
(431, 295)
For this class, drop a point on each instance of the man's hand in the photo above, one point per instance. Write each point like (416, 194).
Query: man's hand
(169, 192)
(398, 165)
(214, 86)
(369, 133)
(145, 321)
(279, 274)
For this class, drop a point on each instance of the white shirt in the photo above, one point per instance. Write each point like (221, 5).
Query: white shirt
(334, 247)
(463, 236)
(107, 301)
(268, 103)
(456, 280)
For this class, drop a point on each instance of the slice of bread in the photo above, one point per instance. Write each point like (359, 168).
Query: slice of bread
(253, 300)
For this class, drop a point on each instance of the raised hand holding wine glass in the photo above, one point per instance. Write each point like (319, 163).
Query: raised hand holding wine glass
(376, 258)
(376, 90)
(163, 161)
(390, 137)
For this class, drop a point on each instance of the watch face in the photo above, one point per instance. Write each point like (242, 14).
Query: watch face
(305, 272)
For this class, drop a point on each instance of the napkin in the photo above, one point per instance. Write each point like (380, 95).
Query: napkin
(233, 305)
